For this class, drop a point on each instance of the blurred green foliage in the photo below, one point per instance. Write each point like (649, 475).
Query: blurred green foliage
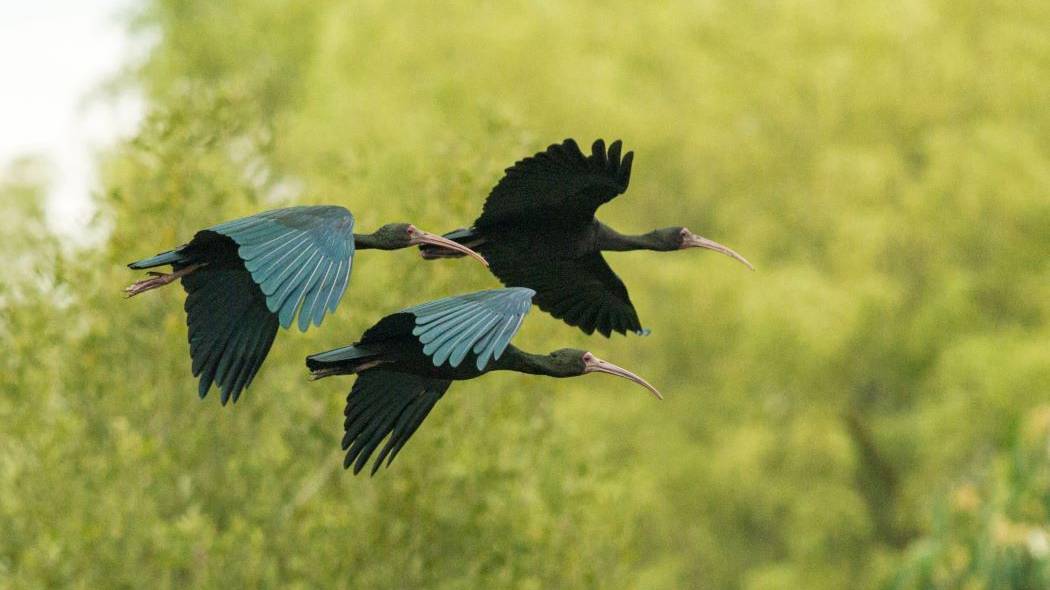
(867, 410)
(992, 532)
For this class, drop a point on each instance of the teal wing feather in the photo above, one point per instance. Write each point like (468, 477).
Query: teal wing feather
(383, 403)
(230, 329)
(481, 323)
(300, 258)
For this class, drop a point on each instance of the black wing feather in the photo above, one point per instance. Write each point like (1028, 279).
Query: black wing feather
(386, 403)
(535, 220)
(230, 329)
(558, 186)
(582, 291)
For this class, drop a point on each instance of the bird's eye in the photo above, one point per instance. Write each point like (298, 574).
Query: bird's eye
(587, 357)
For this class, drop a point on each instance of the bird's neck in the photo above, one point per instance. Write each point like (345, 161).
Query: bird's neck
(611, 240)
(519, 361)
(371, 242)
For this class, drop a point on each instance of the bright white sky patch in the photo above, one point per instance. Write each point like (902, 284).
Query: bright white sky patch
(53, 55)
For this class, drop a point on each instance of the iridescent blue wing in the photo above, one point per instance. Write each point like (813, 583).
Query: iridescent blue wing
(300, 257)
(482, 323)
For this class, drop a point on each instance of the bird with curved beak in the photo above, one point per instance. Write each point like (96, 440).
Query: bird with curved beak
(246, 277)
(593, 364)
(407, 361)
(538, 230)
(691, 240)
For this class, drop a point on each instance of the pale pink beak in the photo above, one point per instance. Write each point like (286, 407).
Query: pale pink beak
(418, 236)
(691, 240)
(593, 364)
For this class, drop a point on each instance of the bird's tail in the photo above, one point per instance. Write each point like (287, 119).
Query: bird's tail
(342, 361)
(169, 257)
(469, 237)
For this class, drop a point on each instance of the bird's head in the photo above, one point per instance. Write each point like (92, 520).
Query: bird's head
(572, 362)
(395, 236)
(680, 238)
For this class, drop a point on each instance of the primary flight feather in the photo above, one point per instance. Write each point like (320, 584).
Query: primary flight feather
(244, 278)
(407, 361)
(538, 230)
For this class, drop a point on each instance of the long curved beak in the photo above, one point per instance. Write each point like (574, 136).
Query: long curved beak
(593, 364)
(419, 236)
(694, 241)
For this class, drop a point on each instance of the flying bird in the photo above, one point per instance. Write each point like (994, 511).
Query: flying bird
(538, 230)
(245, 277)
(406, 362)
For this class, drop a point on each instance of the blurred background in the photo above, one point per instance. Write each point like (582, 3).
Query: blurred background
(870, 409)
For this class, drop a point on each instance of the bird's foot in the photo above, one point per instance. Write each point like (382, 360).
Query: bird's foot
(157, 280)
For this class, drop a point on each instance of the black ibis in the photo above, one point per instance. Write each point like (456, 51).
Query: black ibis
(245, 277)
(406, 362)
(538, 230)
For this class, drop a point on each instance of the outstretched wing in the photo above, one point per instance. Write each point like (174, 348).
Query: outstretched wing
(385, 403)
(558, 186)
(300, 257)
(447, 329)
(581, 291)
(481, 322)
(230, 328)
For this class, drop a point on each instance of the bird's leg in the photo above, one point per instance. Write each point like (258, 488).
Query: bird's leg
(159, 279)
(329, 371)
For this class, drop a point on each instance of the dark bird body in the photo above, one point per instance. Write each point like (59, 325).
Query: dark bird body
(538, 230)
(408, 360)
(246, 277)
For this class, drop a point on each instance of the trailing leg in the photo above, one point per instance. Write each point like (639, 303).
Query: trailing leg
(159, 279)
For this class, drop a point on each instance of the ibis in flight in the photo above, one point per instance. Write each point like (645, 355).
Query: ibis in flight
(245, 277)
(538, 230)
(406, 362)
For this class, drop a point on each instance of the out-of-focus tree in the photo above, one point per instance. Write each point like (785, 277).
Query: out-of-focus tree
(884, 165)
(31, 249)
(992, 532)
